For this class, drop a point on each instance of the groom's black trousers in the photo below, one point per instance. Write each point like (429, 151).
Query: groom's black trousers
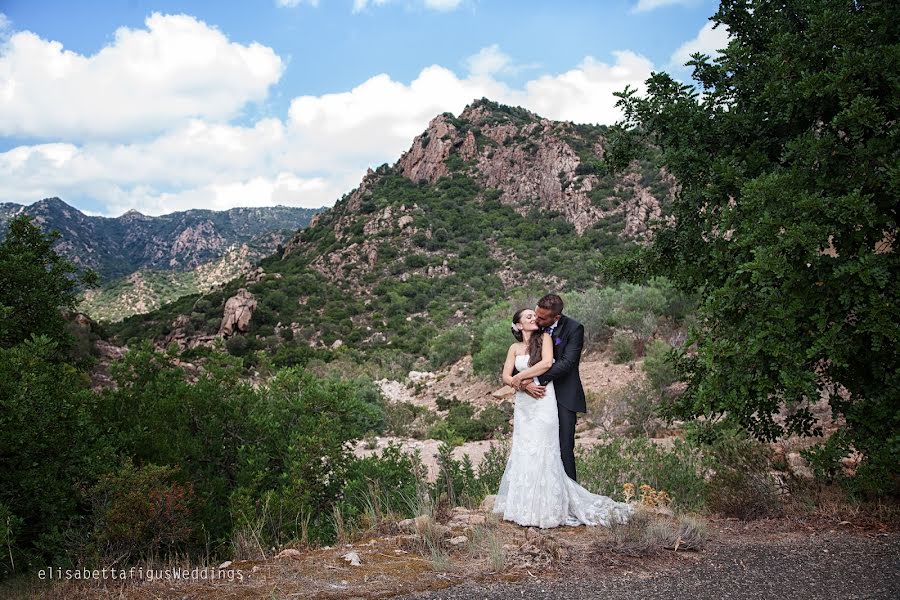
(567, 419)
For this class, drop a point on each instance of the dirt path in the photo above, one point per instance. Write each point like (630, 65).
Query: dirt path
(798, 566)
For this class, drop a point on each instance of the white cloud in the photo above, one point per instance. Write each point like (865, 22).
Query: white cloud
(708, 41)
(442, 4)
(487, 61)
(146, 80)
(295, 3)
(359, 5)
(585, 94)
(309, 157)
(5, 24)
(439, 5)
(648, 5)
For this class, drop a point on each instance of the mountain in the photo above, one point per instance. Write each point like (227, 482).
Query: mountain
(180, 241)
(495, 200)
(148, 289)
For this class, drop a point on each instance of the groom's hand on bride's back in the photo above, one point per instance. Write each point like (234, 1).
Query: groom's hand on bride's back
(535, 390)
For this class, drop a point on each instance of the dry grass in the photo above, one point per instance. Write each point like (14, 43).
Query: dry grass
(831, 503)
(395, 564)
(647, 533)
(486, 543)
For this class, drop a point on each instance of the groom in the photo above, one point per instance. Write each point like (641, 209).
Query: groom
(568, 339)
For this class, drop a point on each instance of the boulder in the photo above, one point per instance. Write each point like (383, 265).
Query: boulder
(504, 392)
(238, 310)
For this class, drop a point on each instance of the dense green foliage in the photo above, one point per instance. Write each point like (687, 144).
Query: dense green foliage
(786, 223)
(170, 459)
(36, 284)
(50, 444)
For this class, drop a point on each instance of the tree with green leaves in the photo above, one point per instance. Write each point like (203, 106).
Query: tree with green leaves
(36, 284)
(787, 150)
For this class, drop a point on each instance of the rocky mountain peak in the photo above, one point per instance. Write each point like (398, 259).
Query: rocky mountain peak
(536, 163)
(133, 214)
(526, 161)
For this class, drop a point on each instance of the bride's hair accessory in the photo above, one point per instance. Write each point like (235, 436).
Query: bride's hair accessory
(516, 327)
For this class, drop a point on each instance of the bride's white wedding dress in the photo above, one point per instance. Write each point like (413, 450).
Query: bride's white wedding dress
(535, 490)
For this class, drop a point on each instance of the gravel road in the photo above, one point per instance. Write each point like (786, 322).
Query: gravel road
(832, 565)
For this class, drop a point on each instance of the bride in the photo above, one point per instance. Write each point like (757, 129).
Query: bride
(534, 489)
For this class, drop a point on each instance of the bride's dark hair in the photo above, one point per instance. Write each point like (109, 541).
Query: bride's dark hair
(535, 343)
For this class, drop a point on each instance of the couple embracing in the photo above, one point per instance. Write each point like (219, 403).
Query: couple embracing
(538, 486)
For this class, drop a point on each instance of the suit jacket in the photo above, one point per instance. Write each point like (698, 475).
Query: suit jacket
(568, 341)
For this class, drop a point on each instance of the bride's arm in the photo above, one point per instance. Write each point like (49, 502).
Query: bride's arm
(509, 365)
(543, 365)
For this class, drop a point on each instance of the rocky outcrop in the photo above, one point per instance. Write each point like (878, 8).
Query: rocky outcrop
(537, 165)
(534, 163)
(425, 160)
(184, 336)
(640, 209)
(195, 241)
(238, 311)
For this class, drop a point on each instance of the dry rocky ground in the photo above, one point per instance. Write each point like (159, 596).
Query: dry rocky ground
(481, 557)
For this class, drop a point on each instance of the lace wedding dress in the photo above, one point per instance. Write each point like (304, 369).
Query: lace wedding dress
(535, 490)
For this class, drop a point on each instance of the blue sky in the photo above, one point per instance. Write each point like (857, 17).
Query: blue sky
(163, 106)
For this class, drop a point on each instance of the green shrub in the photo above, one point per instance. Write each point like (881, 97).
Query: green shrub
(491, 354)
(642, 403)
(622, 348)
(593, 309)
(141, 512)
(291, 355)
(456, 483)
(237, 345)
(51, 444)
(385, 482)
(461, 422)
(492, 466)
(444, 403)
(876, 473)
(449, 346)
(415, 261)
(295, 454)
(740, 485)
(442, 430)
(405, 419)
(605, 468)
(460, 484)
(659, 369)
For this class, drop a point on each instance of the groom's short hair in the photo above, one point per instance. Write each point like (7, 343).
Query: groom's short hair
(551, 302)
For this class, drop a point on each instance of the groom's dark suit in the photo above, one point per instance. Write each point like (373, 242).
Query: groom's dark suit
(568, 340)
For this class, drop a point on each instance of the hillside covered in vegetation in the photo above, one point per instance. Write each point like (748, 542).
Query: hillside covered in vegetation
(493, 200)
